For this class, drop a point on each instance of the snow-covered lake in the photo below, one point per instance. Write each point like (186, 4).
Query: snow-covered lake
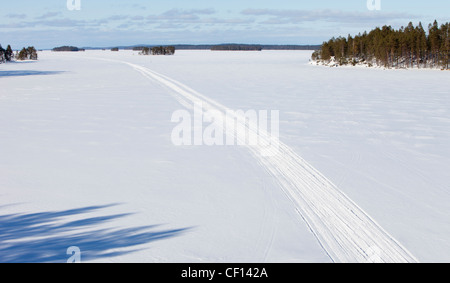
(86, 159)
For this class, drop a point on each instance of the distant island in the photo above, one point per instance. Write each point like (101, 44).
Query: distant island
(67, 49)
(408, 47)
(236, 47)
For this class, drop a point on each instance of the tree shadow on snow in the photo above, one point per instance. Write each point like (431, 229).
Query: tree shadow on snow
(45, 237)
(23, 73)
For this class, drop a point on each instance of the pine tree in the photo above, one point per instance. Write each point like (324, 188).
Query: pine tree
(9, 54)
(2, 54)
(326, 52)
(32, 53)
(445, 47)
(23, 54)
(434, 42)
(421, 43)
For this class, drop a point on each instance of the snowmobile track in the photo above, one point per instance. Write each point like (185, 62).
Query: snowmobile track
(345, 231)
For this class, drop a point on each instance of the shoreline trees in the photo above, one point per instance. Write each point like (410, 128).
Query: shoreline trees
(7, 55)
(408, 47)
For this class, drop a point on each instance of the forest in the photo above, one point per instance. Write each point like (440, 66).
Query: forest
(407, 47)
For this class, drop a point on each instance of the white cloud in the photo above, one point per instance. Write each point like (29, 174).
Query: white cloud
(49, 15)
(273, 16)
(16, 16)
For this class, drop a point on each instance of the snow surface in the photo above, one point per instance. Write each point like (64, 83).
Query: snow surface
(86, 160)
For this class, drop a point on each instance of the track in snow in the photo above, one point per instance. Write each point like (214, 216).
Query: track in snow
(344, 230)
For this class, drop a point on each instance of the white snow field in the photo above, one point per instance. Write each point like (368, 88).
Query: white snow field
(86, 160)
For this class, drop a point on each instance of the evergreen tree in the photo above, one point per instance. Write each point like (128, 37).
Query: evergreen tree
(23, 55)
(421, 45)
(434, 42)
(445, 31)
(2, 54)
(9, 54)
(326, 52)
(32, 53)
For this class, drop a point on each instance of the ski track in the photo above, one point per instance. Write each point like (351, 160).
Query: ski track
(343, 229)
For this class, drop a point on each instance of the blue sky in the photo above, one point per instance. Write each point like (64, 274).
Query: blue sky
(104, 23)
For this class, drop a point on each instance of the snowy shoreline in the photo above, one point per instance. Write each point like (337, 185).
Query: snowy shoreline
(335, 64)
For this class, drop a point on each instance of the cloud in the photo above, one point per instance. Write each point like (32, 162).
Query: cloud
(176, 19)
(274, 16)
(190, 12)
(14, 25)
(62, 23)
(55, 20)
(16, 16)
(179, 15)
(197, 26)
(48, 15)
(139, 7)
(116, 18)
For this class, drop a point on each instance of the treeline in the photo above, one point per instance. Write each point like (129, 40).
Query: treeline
(157, 50)
(7, 55)
(408, 47)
